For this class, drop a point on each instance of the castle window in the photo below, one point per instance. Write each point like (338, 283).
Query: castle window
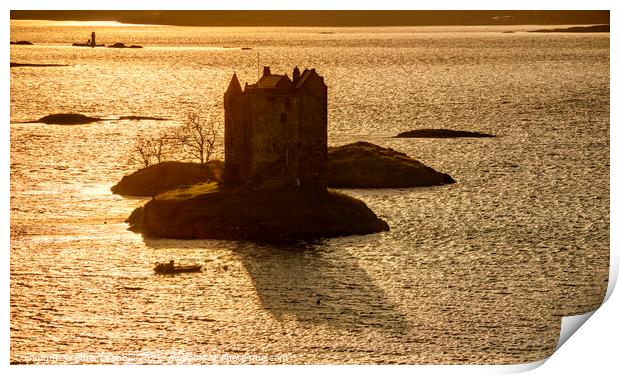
(283, 118)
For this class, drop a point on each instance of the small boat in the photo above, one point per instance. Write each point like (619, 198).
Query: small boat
(171, 268)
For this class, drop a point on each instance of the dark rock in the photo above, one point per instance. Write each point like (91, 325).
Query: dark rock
(442, 133)
(169, 175)
(576, 29)
(67, 119)
(76, 44)
(280, 215)
(135, 219)
(365, 165)
(122, 45)
(17, 65)
(142, 118)
(77, 119)
(23, 43)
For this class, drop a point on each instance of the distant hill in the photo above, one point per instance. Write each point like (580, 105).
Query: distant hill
(324, 17)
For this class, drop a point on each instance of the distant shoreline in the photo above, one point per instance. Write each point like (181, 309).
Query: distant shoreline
(576, 29)
(521, 25)
(325, 18)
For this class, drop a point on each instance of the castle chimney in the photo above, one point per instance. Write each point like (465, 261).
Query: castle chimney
(92, 40)
(266, 71)
(296, 74)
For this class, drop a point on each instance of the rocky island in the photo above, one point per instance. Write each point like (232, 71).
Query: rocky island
(366, 165)
(166, 176)
(274, 186)
(355, 165)
(206, 211)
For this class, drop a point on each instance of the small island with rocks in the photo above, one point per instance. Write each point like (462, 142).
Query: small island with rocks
(359, 165)
(92, 42)
(274, 185)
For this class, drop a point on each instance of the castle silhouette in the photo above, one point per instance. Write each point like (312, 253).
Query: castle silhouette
(276, 132)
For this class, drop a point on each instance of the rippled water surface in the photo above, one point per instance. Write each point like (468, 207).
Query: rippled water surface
(479, 271)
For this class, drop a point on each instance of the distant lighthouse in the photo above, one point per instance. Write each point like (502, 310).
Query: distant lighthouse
(92, 39)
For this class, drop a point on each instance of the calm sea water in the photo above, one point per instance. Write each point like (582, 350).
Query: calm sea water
(476, 272)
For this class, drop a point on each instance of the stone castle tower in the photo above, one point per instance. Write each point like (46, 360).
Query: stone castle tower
(276, 131)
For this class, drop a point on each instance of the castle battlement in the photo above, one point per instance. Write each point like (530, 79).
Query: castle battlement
(276, 131)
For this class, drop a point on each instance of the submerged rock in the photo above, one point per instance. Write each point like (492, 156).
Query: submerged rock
(23, 43)
(366, 165)
(169, 175)
(268, 215)
(67, 119)
(442, 133)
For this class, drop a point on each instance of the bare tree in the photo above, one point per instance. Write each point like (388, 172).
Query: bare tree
(199, 138)
(149, 150)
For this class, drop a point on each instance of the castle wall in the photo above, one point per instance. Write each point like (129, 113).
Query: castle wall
(236, 136)
(313, 134)
(275, 158)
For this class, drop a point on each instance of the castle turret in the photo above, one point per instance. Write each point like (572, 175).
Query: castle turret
(234, 87)
(296, 75)
(233, 128)
(266, 71)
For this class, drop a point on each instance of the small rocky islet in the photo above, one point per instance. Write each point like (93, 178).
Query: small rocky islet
(366, 165)
(442, 133)
(122, 45)
(80, 119)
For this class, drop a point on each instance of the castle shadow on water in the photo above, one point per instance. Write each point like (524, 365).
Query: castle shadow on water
(276, 131)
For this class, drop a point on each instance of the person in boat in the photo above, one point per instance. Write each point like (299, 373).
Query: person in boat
(171, 265)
